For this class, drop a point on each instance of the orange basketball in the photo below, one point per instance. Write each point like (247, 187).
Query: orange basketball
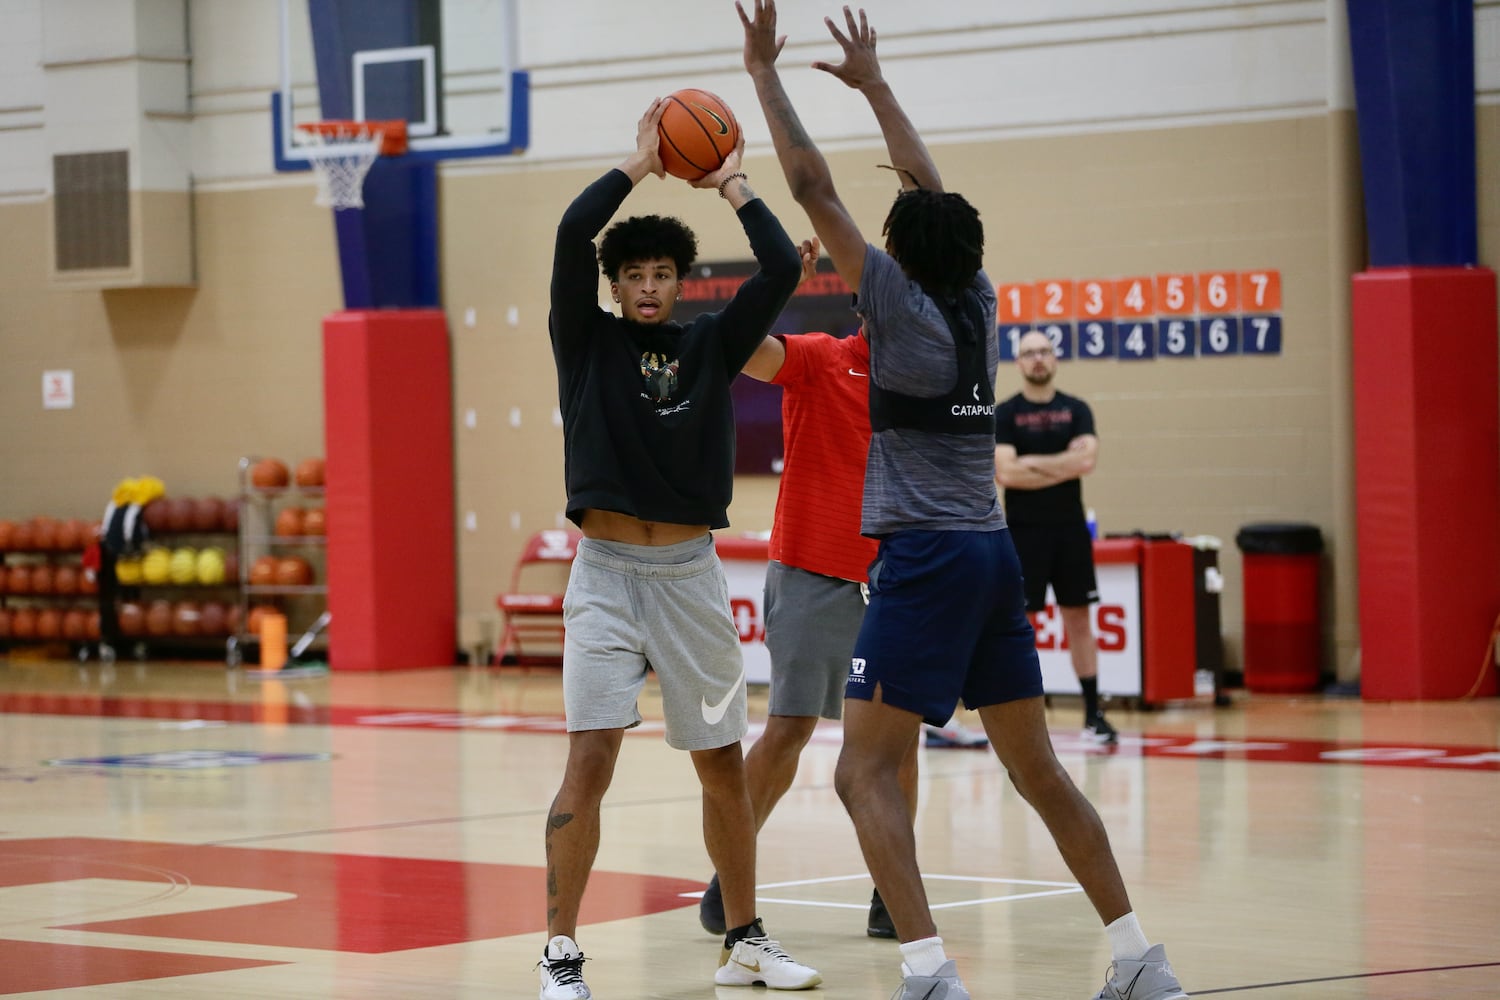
(4, 623)
(18, 579)
(23, 623)
(697, 131)
(68, 537)
(269, 474)
(88, 582)
(91, 624)
(185, 618)
(65, 580)
(75, 624)
(49, 623)
(159, 618)
(289, 522)
(23, 539)
(44, 533)
(41, 579)
(156, 514)
(313, 522)
(230, 522)
(294, 571)
(310, 472)
(263, 572)
(211, 618)
(7, 535)
(132, 619)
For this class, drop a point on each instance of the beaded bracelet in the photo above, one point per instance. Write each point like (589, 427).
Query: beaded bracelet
(725, 182)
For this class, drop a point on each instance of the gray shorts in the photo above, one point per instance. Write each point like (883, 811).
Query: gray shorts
(812, 622)
(632, 606)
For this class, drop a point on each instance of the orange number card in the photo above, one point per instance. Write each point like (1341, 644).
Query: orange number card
(1133, 297)
(1054, 299)
(1017, 303)
(1218, 292)
(1174, 294)
(1096, 299)
(1260, 291)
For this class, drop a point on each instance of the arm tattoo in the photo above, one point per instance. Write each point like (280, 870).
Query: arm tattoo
(781, 107)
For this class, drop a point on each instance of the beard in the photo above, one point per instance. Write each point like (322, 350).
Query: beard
(1042, 379)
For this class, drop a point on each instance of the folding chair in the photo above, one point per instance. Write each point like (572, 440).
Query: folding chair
(533, 628)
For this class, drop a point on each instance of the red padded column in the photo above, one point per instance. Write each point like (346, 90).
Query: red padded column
(389, 436)
(1427, 479)
(1168, 622)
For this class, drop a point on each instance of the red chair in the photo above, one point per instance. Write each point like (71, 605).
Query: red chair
(532, 618)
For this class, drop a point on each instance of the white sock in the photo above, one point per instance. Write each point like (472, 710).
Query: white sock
(1126, 939)
(924, 956)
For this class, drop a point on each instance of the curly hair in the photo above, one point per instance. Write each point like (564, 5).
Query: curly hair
(937, 238)
(647, 237)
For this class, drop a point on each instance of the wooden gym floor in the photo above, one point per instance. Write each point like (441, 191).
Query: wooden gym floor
(176, 830)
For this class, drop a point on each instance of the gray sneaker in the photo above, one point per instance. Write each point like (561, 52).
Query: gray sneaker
(1149, 978)
(944, 985)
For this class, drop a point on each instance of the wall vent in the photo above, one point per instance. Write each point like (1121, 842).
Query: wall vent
(91, 210)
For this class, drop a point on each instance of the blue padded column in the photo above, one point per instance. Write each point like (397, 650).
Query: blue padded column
(1414, 89)
(388, 252)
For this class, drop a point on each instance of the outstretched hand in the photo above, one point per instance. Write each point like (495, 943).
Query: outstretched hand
(860, 68)
(647, 140)
(762, 45)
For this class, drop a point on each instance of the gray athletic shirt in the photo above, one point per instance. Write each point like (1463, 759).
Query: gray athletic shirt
(917, 479)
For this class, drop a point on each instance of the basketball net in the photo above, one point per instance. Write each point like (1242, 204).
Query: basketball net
(342, 153)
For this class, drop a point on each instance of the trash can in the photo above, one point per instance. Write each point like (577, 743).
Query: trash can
(1283, 623)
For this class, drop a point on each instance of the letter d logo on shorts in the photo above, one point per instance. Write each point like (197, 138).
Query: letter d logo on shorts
(857, 670)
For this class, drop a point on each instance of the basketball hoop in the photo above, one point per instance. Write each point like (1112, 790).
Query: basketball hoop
(342, 153)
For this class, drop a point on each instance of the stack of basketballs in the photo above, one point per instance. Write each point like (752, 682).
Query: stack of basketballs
(183, 553)
(44, 582)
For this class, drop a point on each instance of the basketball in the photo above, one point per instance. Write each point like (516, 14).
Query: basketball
(182, 566)
(75, 624)
(211, 618)
(129, 572)
(49, 624)
(156, 514)
(310, 472)
(41, 579)
(270, 474)
(210, 568)
(314, 522)
(65, 580)
(208, 514)
(132, 618)
(697, 131)
(156, 567)
(289, 522)
(263, 571)
(185, 618)
(159, 618)
(294, 571)
(23, 623)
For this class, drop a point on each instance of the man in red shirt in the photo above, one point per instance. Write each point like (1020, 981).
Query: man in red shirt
(819, 559)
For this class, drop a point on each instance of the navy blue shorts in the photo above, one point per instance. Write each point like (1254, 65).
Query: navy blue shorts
(947, 620)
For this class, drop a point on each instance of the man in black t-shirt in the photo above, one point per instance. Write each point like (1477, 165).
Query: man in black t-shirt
(1044, 445)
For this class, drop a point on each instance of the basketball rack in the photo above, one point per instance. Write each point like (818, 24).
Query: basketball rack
(342, 152)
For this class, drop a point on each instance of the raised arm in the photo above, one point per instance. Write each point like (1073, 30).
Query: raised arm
(861, 70)
(770, 353)
(807, 173)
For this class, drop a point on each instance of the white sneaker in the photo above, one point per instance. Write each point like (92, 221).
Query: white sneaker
(941, 985)
(761, 960)
(562, 971)
(955, 734)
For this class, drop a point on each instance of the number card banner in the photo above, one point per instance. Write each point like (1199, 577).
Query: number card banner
(1175, 315)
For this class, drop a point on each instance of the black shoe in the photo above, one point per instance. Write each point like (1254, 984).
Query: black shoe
(1098, 730)
(879, 925)
(711, 909)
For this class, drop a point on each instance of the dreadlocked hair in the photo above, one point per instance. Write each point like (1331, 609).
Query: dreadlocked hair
(647, 237)
(937, 238)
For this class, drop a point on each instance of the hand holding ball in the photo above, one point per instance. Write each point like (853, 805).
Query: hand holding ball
(697, 132)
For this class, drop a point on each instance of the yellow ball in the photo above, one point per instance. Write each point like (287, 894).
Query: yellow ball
(156, 567)
(128, 572)
(211, 566)
(183, 567)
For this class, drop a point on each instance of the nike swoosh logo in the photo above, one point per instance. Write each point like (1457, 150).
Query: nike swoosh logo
(723, 125)
(859, 374)
(714, 714)
(752, 968)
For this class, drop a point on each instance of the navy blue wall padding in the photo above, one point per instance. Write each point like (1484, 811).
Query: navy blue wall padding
(388, 252)
(1414, 88)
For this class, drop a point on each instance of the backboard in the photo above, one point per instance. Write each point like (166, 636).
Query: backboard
(445, 67)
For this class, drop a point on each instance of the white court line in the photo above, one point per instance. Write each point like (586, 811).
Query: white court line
(1049, 889)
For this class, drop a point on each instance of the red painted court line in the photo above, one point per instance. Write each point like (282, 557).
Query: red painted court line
(35, 966)
(1289, 751)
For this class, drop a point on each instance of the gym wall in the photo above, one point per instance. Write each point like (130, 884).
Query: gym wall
(1136, 139)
